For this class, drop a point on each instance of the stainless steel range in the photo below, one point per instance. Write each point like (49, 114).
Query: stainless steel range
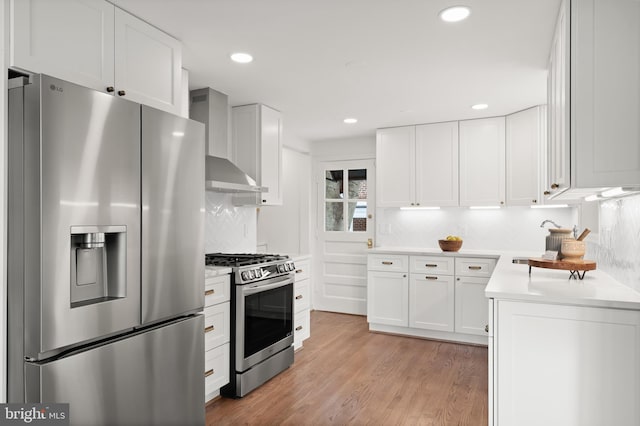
(261, 318)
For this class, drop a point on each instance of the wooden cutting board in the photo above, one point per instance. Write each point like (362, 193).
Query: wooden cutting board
(564, 264)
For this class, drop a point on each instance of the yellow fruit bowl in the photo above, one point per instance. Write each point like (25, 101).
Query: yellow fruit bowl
(450, 245)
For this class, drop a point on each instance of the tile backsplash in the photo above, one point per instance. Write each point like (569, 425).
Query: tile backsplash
(228, 228)
(511, 228)
(617, 248)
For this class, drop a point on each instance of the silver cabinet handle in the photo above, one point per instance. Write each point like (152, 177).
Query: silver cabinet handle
(430, 278)
(208, 329)
(209, 292)
(298, 297)
(208, 373)
(298, 271)
(298, 328)
(387, 263)
(475, 268)
(430, 265)
(486, 328)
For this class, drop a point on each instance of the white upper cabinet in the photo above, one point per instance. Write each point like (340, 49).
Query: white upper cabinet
(94, 44)
(437, 164)
(558, 107)
(598, 56)
(417, 165)
(525, 139)
(257, 150)
(69, 39)
(482, 162)
(148, 63)
(605, 92)
(395, 166)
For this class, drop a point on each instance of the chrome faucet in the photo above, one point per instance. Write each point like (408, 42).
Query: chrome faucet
(549, 220)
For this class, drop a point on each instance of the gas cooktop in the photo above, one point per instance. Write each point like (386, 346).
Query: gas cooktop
(252, 267)
(237, 260)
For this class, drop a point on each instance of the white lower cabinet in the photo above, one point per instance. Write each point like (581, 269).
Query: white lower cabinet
(301, 301)
(472, 276)
(433, 296)
(216, 365)
(217, 332)
(564, 365)
(431, 293)
(472, 315)
(431, 302)
(388, 298)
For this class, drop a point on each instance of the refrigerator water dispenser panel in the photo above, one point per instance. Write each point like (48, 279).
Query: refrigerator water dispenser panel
(98, 267)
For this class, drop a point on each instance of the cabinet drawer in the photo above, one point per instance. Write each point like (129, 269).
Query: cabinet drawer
(432, 265)
(216, 369)
(216, 325)
(303, 269)
(216, 290)
(301, 295)
(301, 326)
(388, 262)
(474, 266)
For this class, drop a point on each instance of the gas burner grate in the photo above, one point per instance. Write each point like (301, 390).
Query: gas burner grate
(241, 259)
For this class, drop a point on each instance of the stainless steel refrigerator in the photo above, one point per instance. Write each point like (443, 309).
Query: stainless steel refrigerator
(105, 256)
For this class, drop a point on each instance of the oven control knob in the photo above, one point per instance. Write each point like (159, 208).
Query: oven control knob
(258, 273)
(244, 276)
(252, 274)
(281, 268)
(289, 266)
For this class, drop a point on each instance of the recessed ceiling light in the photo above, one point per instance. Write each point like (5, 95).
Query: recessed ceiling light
(241, 58)
(455, 14)
(350, 120)
(480, 106)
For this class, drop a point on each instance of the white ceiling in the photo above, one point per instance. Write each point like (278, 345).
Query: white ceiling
(385, 62)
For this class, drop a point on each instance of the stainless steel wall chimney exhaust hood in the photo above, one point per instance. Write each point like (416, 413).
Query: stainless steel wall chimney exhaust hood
(223, 176)
(210, 107)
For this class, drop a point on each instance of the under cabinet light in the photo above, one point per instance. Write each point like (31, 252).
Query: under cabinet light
(550, 206)
(613, 192)
(419, 208)
(593, 197)
(484, 207)
(350, 120)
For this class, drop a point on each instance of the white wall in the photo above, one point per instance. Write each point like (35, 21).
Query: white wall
(510, 228)
(344, 149)
(286, 228)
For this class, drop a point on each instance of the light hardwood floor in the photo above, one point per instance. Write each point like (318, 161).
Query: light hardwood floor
(347, 375)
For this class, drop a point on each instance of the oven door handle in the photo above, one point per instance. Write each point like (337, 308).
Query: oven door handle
(264, 287)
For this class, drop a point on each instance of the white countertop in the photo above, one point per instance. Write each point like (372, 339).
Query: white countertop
(214, 271)
(511, 281)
